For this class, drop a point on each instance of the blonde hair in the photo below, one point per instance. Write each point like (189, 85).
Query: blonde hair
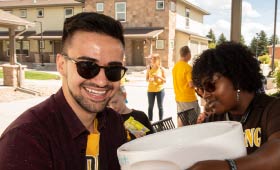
(156, 56)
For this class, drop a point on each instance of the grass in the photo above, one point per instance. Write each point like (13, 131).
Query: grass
(37, 75)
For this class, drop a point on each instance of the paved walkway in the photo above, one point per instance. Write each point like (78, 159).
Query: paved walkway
(13, 103)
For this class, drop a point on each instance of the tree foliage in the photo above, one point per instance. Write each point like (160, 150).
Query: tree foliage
(270, 41)
(259, 44)
(221, 39)
(242, 40)
(211, 36)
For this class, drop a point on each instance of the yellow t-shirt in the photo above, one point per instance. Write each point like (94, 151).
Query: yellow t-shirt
(182, 75)
(92, 151)
(156, 84)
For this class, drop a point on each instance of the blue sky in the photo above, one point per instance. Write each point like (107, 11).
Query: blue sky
(257, 15)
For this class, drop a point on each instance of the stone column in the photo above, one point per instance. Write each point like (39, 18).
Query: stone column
(12, 75)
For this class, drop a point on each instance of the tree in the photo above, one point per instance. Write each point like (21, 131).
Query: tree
(259, 44)
(270, 41)
(253, 46)
(221, 39)
(262, 43)
(242, 40)
(211, 36)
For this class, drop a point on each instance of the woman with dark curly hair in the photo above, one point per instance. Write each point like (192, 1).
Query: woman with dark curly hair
(228, 79)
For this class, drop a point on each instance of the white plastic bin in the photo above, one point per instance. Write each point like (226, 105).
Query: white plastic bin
(178, 149)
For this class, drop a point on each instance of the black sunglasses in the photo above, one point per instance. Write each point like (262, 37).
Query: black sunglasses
(207, 85)
(89, 69)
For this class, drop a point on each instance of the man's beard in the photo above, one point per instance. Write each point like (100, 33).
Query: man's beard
(88, 105)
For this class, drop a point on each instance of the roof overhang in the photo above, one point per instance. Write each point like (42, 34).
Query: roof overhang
(4, 35)
(50, 35)
(194, 35)
(143, 32)
(8, 20)
(82, 1)
(204, 12)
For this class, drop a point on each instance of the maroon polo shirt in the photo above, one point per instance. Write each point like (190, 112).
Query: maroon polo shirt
(49, 136)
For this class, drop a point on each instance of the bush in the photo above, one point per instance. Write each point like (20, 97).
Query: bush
(264, 59)
(277, 78)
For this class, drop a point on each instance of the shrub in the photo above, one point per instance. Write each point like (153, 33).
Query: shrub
(264, 59)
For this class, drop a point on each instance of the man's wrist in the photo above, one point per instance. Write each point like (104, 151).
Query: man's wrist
(231, 164)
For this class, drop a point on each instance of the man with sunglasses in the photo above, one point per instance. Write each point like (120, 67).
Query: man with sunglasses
(73, 129)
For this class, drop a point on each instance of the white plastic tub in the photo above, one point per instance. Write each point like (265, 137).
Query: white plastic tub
(178, 149)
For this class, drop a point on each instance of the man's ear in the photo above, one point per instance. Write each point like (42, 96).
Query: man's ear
(60, 64)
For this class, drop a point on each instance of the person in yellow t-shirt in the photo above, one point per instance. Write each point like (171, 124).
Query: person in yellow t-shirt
(182, 82)
(156, 78)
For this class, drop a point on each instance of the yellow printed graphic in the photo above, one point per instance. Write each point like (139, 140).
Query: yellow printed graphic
(252, 137)
(92, 162)
(92, 150)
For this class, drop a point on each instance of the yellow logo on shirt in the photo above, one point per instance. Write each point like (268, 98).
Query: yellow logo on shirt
(252, 137)
(92, 162)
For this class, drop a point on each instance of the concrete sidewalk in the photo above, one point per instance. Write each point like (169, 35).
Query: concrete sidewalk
(11, 110)
(136, 88)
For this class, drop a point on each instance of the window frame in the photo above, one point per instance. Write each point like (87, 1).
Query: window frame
(67, 8)
(157, 4)
(97, 6)
(160, 44)
(42, 44)
(40, 9)
(117, 12)
(172, 6)
(187, 15)
(24, 12)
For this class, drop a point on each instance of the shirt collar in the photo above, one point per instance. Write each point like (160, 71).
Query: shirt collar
(72, 122)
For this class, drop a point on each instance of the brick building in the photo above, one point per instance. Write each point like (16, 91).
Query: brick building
(276, 52)
(155, 26)
(42, 42)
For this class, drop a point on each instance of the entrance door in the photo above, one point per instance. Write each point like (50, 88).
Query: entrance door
(57, 48)
(138, 53)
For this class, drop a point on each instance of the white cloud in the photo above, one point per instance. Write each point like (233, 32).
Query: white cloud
(219, 27)
(248, 11)
(212, 5)
(249, 30)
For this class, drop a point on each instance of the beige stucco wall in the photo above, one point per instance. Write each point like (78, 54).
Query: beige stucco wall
(53, 16)
(182, 39)
(194, 14)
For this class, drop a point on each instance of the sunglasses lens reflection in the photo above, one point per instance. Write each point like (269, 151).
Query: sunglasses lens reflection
(88, 70)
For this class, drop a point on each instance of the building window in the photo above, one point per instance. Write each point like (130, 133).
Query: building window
(120, 8)
(160, 5)
(171, 45)
(187, 17)
(160, 44)
(41, 44)
(68, 12)
(172, 6)
(22, 13)
(99, 7)
(22, 47)
(40, 12)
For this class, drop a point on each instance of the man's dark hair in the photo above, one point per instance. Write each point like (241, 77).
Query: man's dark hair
(234, 61)
(184, 51)
(92, 22)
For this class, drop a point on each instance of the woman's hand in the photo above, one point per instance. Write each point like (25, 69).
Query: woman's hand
(201, 117)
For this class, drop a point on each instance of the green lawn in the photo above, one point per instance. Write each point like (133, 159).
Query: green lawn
(37, 75)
